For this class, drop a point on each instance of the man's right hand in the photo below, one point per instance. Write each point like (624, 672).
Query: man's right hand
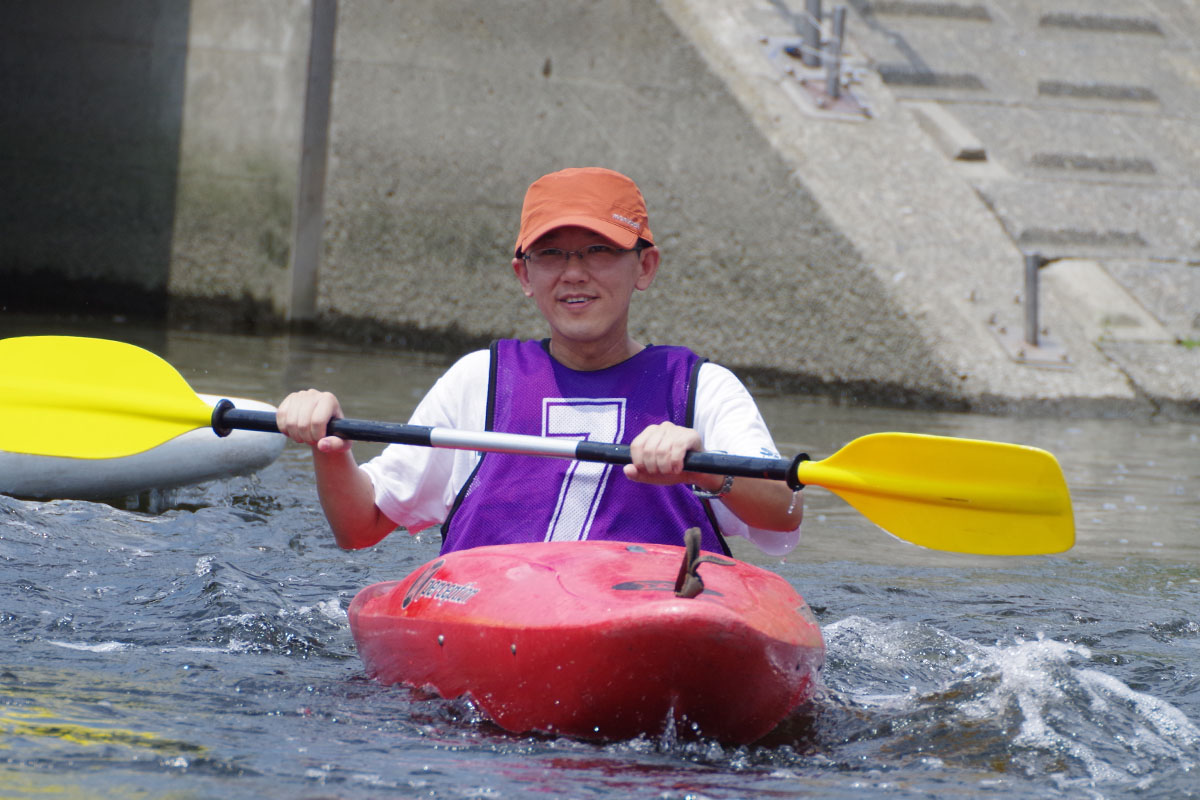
(304, 417)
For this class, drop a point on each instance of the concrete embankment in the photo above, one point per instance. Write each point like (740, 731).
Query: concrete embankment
(360, 166)
(976, 139)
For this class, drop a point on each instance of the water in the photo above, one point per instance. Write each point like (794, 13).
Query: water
(201, 649)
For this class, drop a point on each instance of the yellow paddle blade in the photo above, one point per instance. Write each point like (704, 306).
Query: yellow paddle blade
(90, 398)
(961, 495)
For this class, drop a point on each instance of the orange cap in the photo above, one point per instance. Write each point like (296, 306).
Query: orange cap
(595, 198)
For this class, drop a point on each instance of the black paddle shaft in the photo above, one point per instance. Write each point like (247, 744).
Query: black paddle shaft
(227, 418)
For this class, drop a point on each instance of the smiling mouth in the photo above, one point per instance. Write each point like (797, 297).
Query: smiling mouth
(575, 301)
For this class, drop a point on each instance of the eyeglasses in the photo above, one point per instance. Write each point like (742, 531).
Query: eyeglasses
(595, 256)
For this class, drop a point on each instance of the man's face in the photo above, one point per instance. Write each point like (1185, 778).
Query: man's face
(586, 301)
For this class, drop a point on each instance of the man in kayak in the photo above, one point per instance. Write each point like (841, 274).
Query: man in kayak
(583, 249)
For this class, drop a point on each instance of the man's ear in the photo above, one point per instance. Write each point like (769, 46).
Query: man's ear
(522, 271)
(648, 268)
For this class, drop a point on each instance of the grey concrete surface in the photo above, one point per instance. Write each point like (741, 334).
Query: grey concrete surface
(871, 248)
(239, 160)
(837, 255)
(1086, 118)
(89, 138)
(444, 113)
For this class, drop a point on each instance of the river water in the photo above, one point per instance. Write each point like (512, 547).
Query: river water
(197, 645)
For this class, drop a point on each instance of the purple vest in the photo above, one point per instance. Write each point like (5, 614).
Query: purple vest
(519, 498)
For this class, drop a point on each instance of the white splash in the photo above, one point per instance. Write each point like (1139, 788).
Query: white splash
(1060, 703)
(234, 646)
(332, 610)
(103, 647)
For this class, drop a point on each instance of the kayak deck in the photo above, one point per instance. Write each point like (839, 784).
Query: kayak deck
(589, 639)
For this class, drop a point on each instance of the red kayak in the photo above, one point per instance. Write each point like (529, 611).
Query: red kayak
(602, 640)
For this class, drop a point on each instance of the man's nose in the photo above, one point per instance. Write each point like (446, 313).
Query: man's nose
(576, 267)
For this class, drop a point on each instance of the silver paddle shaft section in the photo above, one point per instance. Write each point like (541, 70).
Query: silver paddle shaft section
(226, 418)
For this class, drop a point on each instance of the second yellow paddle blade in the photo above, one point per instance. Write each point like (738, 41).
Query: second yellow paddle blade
(90, 398)
(961, 495)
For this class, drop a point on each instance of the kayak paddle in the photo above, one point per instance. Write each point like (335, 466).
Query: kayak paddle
(95, 398)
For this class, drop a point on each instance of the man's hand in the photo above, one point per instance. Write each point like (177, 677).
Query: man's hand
(304, 416)
(658, 453)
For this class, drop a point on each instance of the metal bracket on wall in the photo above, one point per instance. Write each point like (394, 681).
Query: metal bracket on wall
(813, 69)
(808, 85)
(1032, 344)
(1048, 353)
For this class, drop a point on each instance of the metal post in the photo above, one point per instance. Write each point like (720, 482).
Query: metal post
(308, 209)
(1033, 263)
(811, 30)
(833, 75)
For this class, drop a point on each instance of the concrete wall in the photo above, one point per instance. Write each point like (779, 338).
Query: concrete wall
(91, 98)
(239, 160)
(152, 158)
(445, 110)
(360, 164)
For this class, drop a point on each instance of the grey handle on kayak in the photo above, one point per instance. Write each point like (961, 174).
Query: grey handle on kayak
(227, 418)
